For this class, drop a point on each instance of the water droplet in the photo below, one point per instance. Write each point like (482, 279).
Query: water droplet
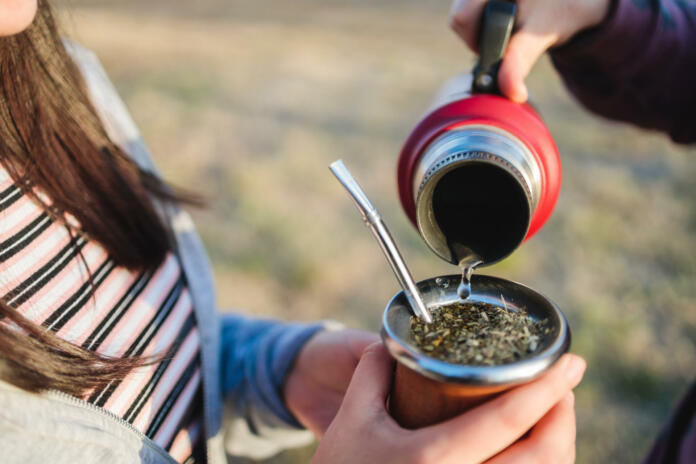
(441, 282)
(464, 289)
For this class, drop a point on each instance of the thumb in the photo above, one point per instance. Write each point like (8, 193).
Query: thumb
(371, 381)
(523, 51)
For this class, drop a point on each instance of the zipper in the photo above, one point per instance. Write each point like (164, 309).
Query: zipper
(127, 425)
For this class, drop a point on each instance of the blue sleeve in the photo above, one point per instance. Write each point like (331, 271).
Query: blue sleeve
(256, 356)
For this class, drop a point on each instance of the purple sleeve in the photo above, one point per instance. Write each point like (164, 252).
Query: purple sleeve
(677, 442)
(638, 66)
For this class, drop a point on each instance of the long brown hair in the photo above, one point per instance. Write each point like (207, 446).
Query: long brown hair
(51, 140)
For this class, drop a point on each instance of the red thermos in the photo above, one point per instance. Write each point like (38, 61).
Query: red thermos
(480, 174)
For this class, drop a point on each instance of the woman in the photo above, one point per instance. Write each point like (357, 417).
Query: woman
(110, 347)
(629, 60)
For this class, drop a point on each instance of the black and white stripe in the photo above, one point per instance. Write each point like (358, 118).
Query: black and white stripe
(146, 392)
(173, 397)
(145, 337)
(77, 300)
(9, 196)
(24, 237)
(97, 337)
(44, 274)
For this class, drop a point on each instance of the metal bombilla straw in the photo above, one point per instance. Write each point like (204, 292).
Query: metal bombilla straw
(374, 221)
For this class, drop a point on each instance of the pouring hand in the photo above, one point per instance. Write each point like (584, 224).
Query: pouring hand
(315, 387)
(363, 431)
(540, 25)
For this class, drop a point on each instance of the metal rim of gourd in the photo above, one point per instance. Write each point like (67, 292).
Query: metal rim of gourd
(439, 291)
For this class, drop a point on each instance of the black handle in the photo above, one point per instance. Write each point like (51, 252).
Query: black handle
(496, 28)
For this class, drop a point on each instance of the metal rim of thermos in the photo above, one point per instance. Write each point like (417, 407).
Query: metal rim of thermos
(471, 143)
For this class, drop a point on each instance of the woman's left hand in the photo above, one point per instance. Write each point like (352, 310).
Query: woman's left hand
(315, 386)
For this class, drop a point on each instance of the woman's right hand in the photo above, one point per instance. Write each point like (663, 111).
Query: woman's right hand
(540, 25)
(363, 432)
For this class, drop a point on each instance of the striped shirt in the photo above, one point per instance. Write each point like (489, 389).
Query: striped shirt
(45, 273)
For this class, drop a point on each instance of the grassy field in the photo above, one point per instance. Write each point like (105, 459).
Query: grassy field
(249, 101)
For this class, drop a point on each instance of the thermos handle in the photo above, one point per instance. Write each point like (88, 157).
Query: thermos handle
(496, 28)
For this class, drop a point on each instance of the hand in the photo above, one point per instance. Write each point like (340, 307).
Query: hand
(318, 381)
(540, 25)
(364, 432)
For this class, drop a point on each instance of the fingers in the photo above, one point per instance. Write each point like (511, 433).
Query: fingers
(358, 340)
(371, 381)
(498, 423)
(551, 440)
(465, 19)
(527, 44)
(354, 342)
(524, 49)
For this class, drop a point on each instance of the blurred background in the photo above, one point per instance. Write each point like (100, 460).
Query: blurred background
(249, 101)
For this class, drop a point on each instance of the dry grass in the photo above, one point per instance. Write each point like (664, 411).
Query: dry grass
(249, 101)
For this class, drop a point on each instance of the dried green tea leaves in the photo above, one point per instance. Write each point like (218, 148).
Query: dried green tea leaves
(478, 334)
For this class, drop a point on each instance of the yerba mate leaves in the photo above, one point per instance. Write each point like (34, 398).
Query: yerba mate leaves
(478, 334)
